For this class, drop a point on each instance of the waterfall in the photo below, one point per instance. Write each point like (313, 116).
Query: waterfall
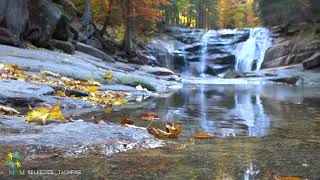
(203, 57)
(250, 54)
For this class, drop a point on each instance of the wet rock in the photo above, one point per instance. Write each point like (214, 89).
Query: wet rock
(286, 80)
(157, 70)
(63, 45)
(93, 52)
(74, 138)
(70, 92)
(117, 87)
(21, 93)
(312, 62)
(232, 74)
(83, 66)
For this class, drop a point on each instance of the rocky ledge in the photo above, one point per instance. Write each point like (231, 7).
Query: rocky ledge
(294, 44)
(77, 137)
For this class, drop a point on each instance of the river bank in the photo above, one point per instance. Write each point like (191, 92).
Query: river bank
(138, 82)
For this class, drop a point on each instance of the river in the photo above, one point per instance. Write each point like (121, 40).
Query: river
(261, 132)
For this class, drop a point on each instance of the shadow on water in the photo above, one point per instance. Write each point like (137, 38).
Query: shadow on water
(262, 132)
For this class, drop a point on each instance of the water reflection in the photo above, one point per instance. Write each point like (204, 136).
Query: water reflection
(223, 110)
(226, 110)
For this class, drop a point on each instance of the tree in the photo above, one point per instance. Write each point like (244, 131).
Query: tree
(137, 8)
(87, 19)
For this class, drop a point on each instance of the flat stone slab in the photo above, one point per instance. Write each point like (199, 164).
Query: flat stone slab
(74, 138)
(22, 93)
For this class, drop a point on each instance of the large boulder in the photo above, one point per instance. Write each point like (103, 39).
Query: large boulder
(44, 16)
(93, 52)
(7, 38)
(14, 16)
(290, 47)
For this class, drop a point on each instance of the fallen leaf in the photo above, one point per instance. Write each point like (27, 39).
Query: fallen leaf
(202, 136)
(127, 121)
(41, 113)
(316, 120)
(49, 73)
(150, 116)
(159, 133)
(45, 113)
(98, 121)
(108, 75)
(8, 111)
(92, 82)
(290, 178)
(119, 102)
(108, 109)
(55, 112)
(174, 129)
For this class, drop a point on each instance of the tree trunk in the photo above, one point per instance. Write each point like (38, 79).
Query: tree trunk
(127, 43)
(87, 17)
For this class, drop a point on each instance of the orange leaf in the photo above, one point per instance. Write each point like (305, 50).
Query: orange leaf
(290, 178)
(174, 129)
(127, 121)
(316, 120)
(159, 133)
(202, 136)
(150, 116)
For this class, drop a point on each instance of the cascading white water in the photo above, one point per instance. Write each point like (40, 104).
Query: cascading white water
(252, 51)
(203, 58)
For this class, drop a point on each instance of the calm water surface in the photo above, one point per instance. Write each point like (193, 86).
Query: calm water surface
(261, 132)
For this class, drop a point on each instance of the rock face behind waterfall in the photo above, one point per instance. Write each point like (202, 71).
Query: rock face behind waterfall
(197, 51)
(294, 44)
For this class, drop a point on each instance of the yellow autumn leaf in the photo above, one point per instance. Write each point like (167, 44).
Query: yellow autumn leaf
(60, 93)
(44, 114)
(55, 112)
(108, 109)
(92, 89)
(119, 102)
(92, 82)
(108, 75)
(41, 113)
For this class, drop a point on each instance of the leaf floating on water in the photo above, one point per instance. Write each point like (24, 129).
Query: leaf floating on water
(126, 121)
(159, 133)
(289, 178)
(108, 75)
(174, 129)
(150, 116)
(316, 120)
(45, 113)
(8, 111)
(202, 136)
